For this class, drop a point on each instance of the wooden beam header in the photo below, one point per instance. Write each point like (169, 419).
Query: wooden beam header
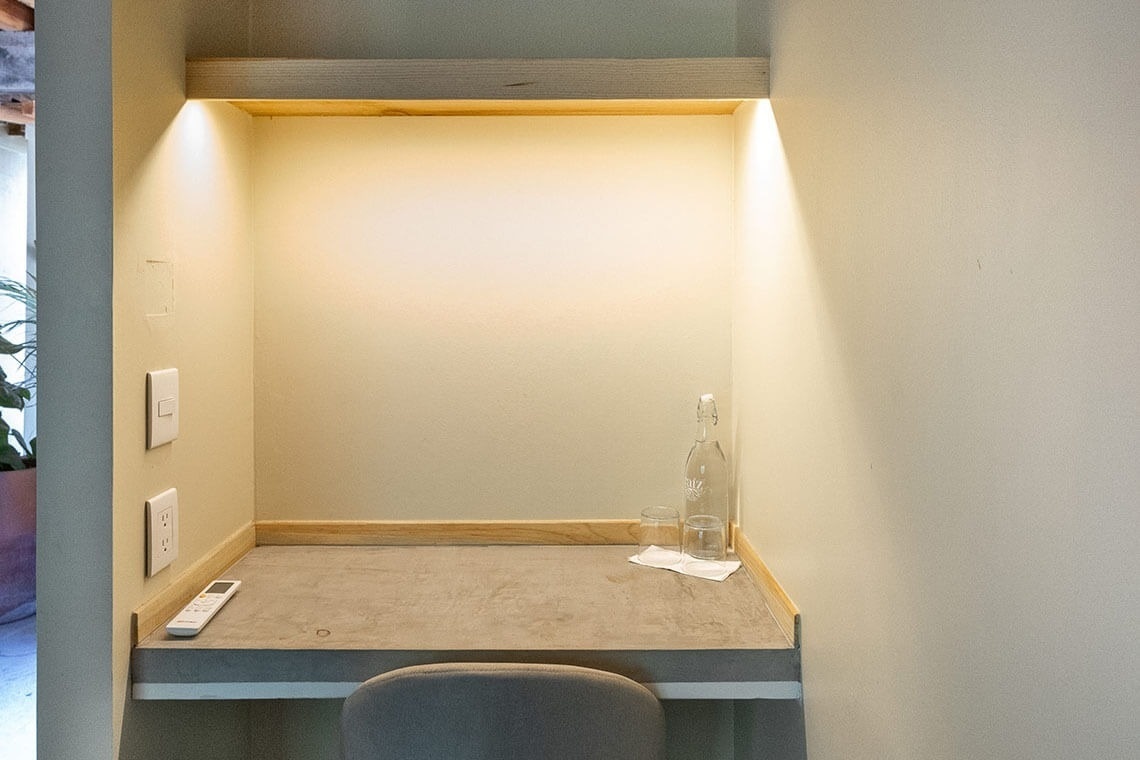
(17, 16)
(18, 112)
(582, 85)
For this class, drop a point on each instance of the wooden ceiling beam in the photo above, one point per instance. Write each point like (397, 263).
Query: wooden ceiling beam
(18, 113)
(16, 16)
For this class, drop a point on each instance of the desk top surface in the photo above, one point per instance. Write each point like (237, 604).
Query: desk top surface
(341, 613)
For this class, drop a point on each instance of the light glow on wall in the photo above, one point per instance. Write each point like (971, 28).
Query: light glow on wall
(203, 160)
(784, 343)
(521, 310)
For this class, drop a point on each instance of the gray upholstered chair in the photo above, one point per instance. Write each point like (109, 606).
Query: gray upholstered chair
(475, 711)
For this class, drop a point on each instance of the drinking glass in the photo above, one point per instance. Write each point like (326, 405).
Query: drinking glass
(658, 539)
(705, 538)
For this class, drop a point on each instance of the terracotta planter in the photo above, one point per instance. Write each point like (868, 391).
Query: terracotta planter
(17, 544)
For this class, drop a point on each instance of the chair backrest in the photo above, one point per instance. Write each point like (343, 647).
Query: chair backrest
(501, 711)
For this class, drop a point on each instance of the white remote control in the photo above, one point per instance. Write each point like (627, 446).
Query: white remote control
(197, 613)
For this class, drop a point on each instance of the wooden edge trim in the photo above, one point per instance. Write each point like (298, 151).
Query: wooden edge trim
(783, 609)
(476, 79)
(488, 107)
(414, 532)
(155, 611)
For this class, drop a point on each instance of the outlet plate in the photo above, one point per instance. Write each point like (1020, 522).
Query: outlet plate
(161, 530)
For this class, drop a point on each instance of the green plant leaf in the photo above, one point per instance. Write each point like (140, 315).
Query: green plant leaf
(23, 444)
(10, 458)
(13, 396)
(17, 395)
(10, 348)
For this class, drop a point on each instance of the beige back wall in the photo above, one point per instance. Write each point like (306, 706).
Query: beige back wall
(936, 373)
(486, 317)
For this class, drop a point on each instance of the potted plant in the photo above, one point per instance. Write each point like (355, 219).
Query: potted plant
(17, 455)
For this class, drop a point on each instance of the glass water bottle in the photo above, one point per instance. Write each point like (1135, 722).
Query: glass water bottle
(706, 470)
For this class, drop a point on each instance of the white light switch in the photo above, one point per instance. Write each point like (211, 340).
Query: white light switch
(162, 407)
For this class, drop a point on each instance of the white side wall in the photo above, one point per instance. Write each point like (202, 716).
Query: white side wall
(936, 358)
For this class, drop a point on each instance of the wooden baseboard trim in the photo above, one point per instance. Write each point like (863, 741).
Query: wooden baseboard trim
(155, 611)
(783, 609)
(417, 532)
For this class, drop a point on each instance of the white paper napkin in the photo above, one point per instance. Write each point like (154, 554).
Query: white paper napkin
(686, 565)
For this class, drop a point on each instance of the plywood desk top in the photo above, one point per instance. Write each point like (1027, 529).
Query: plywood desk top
(315, 621)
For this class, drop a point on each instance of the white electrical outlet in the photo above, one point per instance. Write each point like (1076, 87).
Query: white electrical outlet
(161, 530)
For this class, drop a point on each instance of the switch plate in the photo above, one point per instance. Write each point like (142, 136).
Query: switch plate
(161, 530)
(162, 407)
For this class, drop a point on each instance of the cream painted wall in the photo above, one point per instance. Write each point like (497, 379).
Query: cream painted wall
(947, 297)
(486, 317)
(937, 415)
(183, 297)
